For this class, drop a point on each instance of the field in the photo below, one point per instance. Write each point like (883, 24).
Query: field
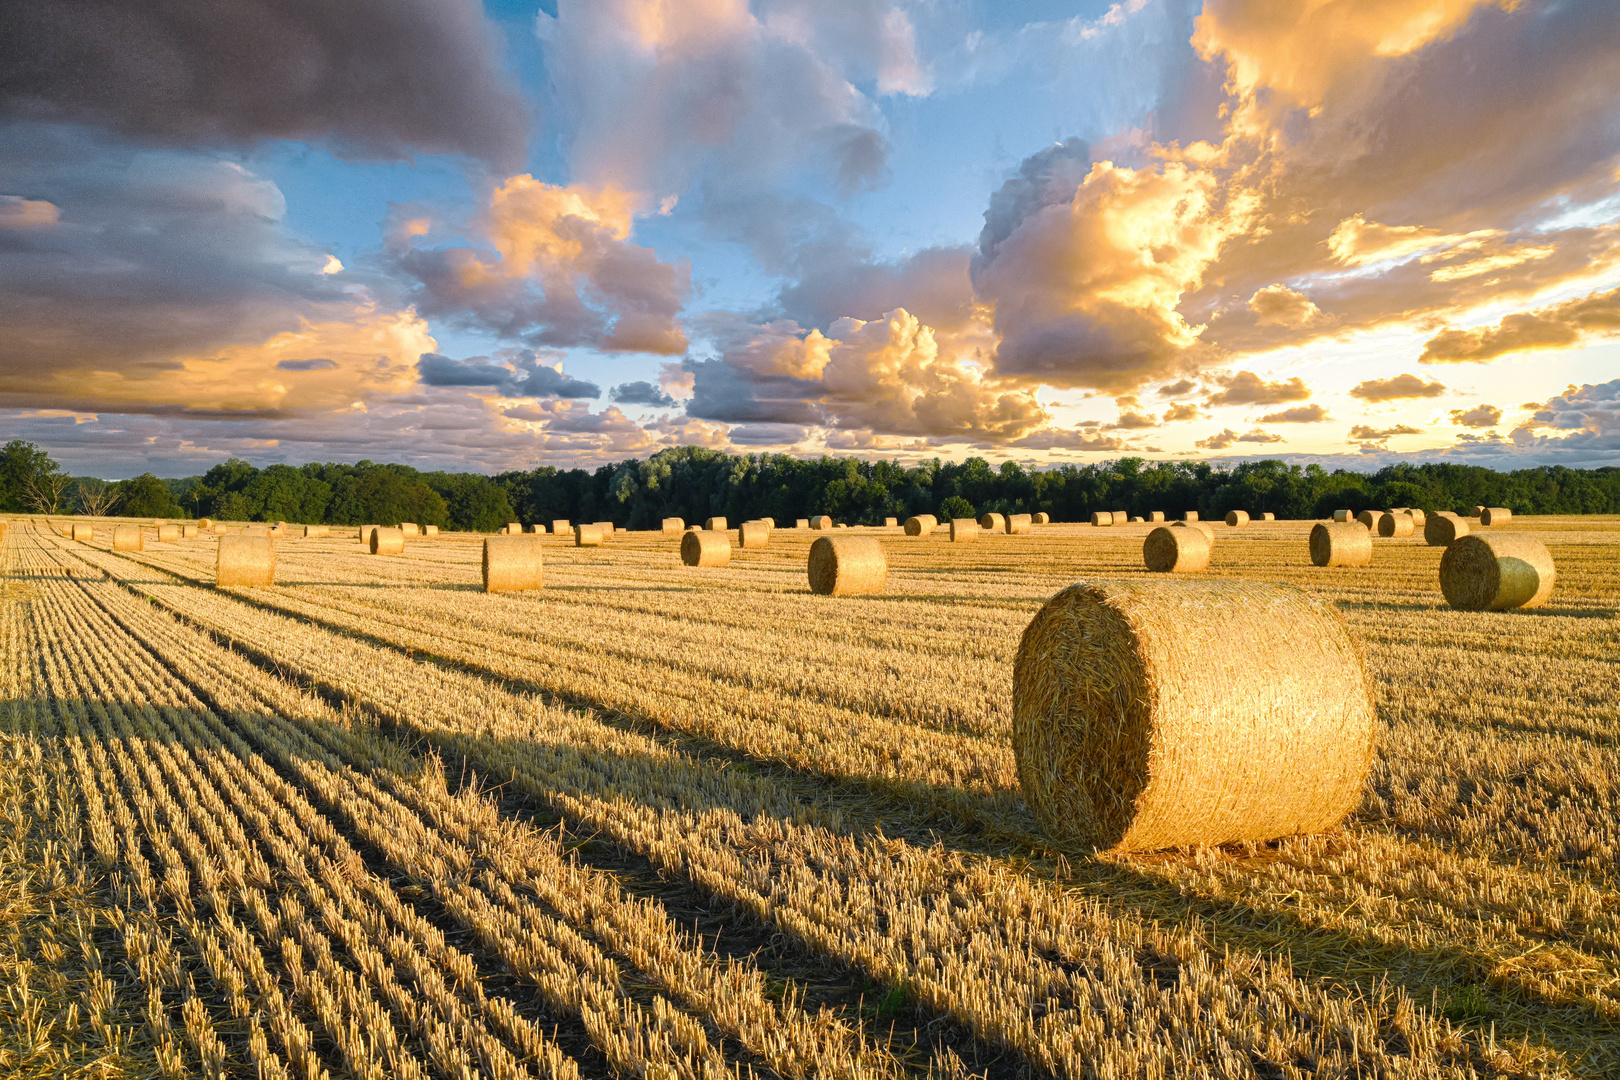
(663, 822)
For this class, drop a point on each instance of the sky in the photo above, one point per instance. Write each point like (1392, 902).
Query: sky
(495, 236)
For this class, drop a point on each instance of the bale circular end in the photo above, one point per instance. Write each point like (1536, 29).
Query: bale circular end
(587, 536)
(1341, 543)
(1444, 529)
(821, 521)
(1395, 525)
(1492, 516)
(245, 560)
(1043, 518)
(963, 530)
(512, 563)
(387, 541)
(992, 522)
(921, 525)
(127, 538)
(1368, 519)
(1102, 518)
(1476, 511)
(1480, 572)
(705, 547)
(1127, 739)
(847, 566)
(1176, 551)
(1236, 518)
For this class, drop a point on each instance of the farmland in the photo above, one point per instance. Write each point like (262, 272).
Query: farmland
(663, 821)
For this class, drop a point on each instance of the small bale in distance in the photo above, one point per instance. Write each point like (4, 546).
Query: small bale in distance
(83, 531)
(1492, 516)
(1340, 543)
(513, 528)
(189, 531)
(1268, 516)
(561, 527)
(1020, 524)
(1237, 518)
(841, 525)
(245, 560)
(1368, 520)
(963, 530)
(753, 534)
(608, 529)
(714, 524)
(706, 547)
(588, 536)
(427, 530)
(1137, 519)
(387, 541)
(537, 529)
(1176, 551)
(1043, 518)
(1444, 529)
(1486, 572)
(1155, 516)
(1102, 518)
(127, 538)
(205, 523)
(168, 534)
(1128, 737)
(673, 526)
(365, 533)
(1476, 511)
(410, 528)
(1200, 526)
(512, 563)
(1395, 525)
(801, 523)
(847, 566)
(992, 522)
(821, 522)
(1191, 515)
(889, 522)
(921, 525)
(316, 532)
(1342, 516)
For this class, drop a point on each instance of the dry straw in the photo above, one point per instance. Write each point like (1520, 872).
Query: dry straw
(1191, 515)
(1476, 511)
(714, 524)
(1137, 519)
(1156, 516)
(821, 522)
(513, 528)
(512, 563)
(205, 523)
(889, 522)
(1198, 526)
(127, 538)
(1156, 714)
(365, 533)
(673, 526)
(1395, 525)
(1343, 515)
(315, 532)
(608, 529)
(847, 566)
(1237, 518)
(1020, 524)
(537, 529)
(963, 530)
(1176, 551)
(1100, 518)
(1268, 516)
(387, 541)
(706, 547)
(1043, 518)
(1418, 517)
(1484, 572)
(561, 527)
(168, 534)
(770, 523)
(801, 523)
(245, 560)
(587, 536)
(753, 534)
(189, 532)
(1444, 529)
(427, 530)
(921, 525)
(1368, 520)
(992, 522)
(1340, 543)
(1492, 516)
(410, 528)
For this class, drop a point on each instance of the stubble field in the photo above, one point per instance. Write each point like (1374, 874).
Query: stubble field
(663, 822)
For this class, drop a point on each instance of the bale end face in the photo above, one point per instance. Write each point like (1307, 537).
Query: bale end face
(963, 530)
(1043, 518)
(714, 524)
(512, 563)
(245, 560)
(921, 525)
(992, 522)
(821, 522)
(1237, 518)
(847, 566)
(587, 536)
(706, 547)
(127, 538)
(387, 541)
(1492, 516)
(1444, 529)
(1176, 551)
(1482, 572)
(1340, 543)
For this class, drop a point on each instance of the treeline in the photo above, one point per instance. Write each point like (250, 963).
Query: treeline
(695, 483)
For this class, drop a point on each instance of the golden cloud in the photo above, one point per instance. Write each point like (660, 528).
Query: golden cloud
(1395, 388)
(1557, 326)
(1247, 388)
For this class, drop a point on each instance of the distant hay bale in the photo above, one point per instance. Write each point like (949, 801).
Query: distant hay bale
(513, 528)
(1395, 525)
(1190, 515)
(245, 560)
(821, 522)
(1268, 516)
(1102, 518)
(365, 533)
(1342, 516)
(387, 541)
(1340, 543)
(1495, 572)
(770, 522)
(921, 525)
(1369, 520)
(501, 531)
(608, 529)
(673, 526)
(205, 523)
(801, 523)
(1418, 517)
(1476, 511)
(847, 566)
(714, 524)
(537, 529)
(992, 522)
(1444, 529)
(1020, 524)
(1176, 551)
(889, 522)
(1137, 519)
(1237, 518)
(1199, 526)
(410, 528)
(168, 534)
(753, 534)
(706, 547)
(588, 536)
(1043, 518)
(841, 525)
(561, 527)
(127, 538)
(316, 532)
(512, 563)
(1127, 739)
(963, 530)
(1492, 516)
(189, 532)
(427, 530)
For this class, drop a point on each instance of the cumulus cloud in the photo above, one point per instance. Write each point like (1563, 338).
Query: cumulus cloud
(1371, 438)
(1247, 388)
(1177, 388)
(1581, 420)
(523, 375)
(1129, 421)
(1557, 326)
(1299, 414)
(1480, 416)
(1076, 439)
(1177, 413)
(1395, 388)
(1228, 437)
(378, 78)
(640, 393)
(1278, 305)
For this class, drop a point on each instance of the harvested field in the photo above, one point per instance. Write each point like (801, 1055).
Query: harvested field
(657, 821)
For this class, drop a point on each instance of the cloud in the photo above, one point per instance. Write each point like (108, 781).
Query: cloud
(1247, 388)
(1176, 413)
(1369, 436)
(1228, 437)
(17, 212)
(1177, 388)
(1278, 305)
(1077, 439)
(1480, 416)
(1586, 417)
(1558, 326)
(375, 78)
(522, 376)
(1299, 414)
(1129, 421)
(768, 434)
(1395, 388)
(640, 393)
(319, 363)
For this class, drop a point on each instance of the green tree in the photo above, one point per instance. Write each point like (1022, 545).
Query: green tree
(28, 478)
(955, 506)
(146, 496)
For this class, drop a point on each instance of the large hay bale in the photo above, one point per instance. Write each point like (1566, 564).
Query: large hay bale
(1485, 572)
(1102, 518)
(673, 526)
(1444, 529)
(706, 547)
(512, 563)
(1395, 525)
(847, 566)
(410, 528)
(83, 530)
(1156, 714)
(821, 522)
(889, 522)
(921, 525)
(189, 532)
(1200, 526)
(1155, 516)
(992, 522)
(387, 541)
(963, 530)
(714, 524)
(1043, 518)
(1369, 520)
(1344, 515)
(1476, 511)
(561, 527)
(588, 536)
(1492, 516)
(1176, 551)
(1340, 543)
(753, 534)
(427, 530)
(127, 538)
(1237, 518)
(1019, 524)
(1268, 516)
(801, 523)
(168, 534)
(245, 560)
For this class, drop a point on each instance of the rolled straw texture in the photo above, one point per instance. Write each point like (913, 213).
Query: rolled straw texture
(821, 521)
(1476, 511)
(1492, 516)
(1156, 516)
(1444, 529)
(963, 530)
(560, 527)
(587, 536)
(706, 547)
(83, 531)
(1396, 525)
(512, 563)
(537, 529)
(514, 527)
(1368, 520)
(387, 541)
(127, 538)
(245, 560)
(992, 522)
(1019, 524)
(189, 531)
(1043, 518)
(315, 532)
(1176, 551)
(1191, 515)
(1343, 516)
(410, 528)
(607, 528)
(801, 523)
(1340, 543)
(427, 530)
(847, 566)
(1197, 526)
(1156, 714)
(205, 523)
(1418, 517)
(714, 524)
(770, 523)
(1235, 518)
(753, 534)
(1268, 516)
(921, 525)
(1121, 517)
(673, 526)
(1101, 518)
(168, 534)
(1485, 572)
(889, 522)
(365, 533)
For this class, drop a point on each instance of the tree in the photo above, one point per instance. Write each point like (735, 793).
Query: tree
(25, 468)
(96, 498)
(43, 492)
(147, 496)
(955, 507)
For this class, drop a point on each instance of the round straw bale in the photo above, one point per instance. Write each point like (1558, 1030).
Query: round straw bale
(188, 531)
(1476, 511)
(706, 547)
(127, 538)
(963, 530)
(1043, 518)
(365, 533)
(753, 534)
(205, 523)
(889, 522)
(1137, 519)
(1444, 529)
(714, 524)
(1191, 515)
(921, 525)
(587, 536)
(83, 530)
(1369, 520)
(427, 530)
(801, 523)
(513, 528)
(1237, 518)
(821, 521)
(1395, 525)
(607, 528)
(673, 526)
(511, 563)
(1019, 524)
(841, 525)
(770, 523)
(537, 529)
(1101, 518)
(1176, 551)
(1418, 517)
(992, 522)
(315, 532)
(387, 541)
(501, 531)
(1492, 516)
(1340, 543)
(1343, 515)
(847, 566)
(168, 534)
(1268, 516)
(1200, 526)
(1156, 714)
(410, 528)
(245, 560)
(1495, 572)
(561, 527)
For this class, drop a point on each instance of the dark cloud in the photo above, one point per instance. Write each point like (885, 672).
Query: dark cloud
(1480, 416)
(1130, 421)
(376, 78)
(1177, 388)
(437, 370)
(1396, 388)
(1247, 388)
(767, 434)
(1299, 414)
(530, 379)
(319, 363)
(835, 280)
(721, 392)
(640, 393)
(1588, 418)
(549, 382)
(1551, 327)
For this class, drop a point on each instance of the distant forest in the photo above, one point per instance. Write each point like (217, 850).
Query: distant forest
(695, 483)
